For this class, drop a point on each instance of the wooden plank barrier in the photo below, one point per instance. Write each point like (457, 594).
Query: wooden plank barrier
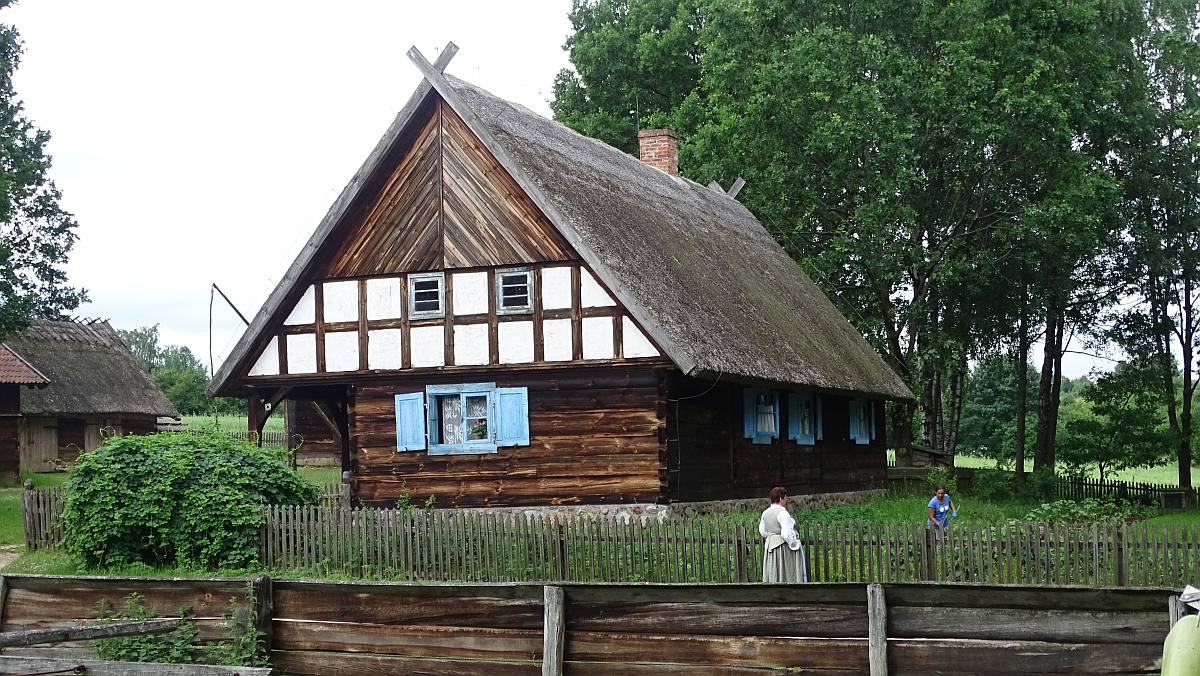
(54, 602)
(497, 629)
(41, 515)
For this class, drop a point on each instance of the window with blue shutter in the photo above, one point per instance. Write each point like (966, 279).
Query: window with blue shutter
(410, 422)
(761, 411)
(801, 414)
(860, 425)
(820, 426)
(512, 416)
(872, 415)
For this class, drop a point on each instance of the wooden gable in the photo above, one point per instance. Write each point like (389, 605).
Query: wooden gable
(446, 204)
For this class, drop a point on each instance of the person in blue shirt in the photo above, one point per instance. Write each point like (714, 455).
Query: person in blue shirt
(940, 509)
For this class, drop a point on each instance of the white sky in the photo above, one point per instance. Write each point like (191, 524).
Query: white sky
(203, 142)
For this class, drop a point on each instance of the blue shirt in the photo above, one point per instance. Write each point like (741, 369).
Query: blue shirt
(941, 510)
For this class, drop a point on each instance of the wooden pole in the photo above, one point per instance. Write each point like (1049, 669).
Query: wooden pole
(264, 604)
(26, 637)
(877, 629)
(1176, 608)
(554, 631)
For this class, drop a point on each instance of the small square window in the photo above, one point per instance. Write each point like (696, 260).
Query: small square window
(514, 292)
(761, 415)
(427, 295)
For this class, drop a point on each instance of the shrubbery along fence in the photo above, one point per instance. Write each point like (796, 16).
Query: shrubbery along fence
(439, 545)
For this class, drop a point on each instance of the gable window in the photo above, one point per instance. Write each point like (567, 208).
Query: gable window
(514, 292)
(427, 295)
(761, 414)
(862, 421)
(469, 418)
(802, 414)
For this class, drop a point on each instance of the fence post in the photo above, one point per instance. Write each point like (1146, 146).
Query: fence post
(560, 534)
(345, 490)
(264, 607)
(927, 564)
(877, 630)
(1121, 567)
(1176, 609)
(554, 631)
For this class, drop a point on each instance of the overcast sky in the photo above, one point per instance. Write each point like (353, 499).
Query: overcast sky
(203, 142)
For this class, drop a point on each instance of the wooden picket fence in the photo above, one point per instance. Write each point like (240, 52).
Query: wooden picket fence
(41, 514)
(269, 439)
(473, 546)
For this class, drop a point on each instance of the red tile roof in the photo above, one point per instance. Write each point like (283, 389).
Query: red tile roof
(15, 370)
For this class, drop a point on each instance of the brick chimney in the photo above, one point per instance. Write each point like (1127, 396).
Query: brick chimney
(660, 149)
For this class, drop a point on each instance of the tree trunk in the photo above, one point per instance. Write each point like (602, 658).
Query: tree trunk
(1022, 361)
(1045, 393)
(902, 432)
(1056, 397)
(1188, 340)
(930, 394)
(958, 378)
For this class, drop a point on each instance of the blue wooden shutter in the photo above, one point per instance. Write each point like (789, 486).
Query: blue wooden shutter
(860, 429)
(410, 422)
(854, 420)
(873, 437)
(818, 419)
(750, 411)
(512, 416)
(800, 406)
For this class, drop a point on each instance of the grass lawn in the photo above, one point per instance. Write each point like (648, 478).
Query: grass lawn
(232, 423)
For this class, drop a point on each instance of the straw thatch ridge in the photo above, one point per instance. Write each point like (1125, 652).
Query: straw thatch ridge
(91, 372)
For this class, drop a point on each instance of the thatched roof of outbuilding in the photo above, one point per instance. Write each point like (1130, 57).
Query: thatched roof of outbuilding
(91, 372)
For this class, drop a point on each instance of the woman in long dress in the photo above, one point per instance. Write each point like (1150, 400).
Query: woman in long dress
(781, 563)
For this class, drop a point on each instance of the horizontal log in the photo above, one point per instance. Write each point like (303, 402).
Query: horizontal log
(965, 595)
(541, 447)
(326, 606)
(32, 665)
(921, 656)
(499, 492)
(392, 592)
(835, 592)
(789, 653)
(127, 584)
(432, 468)
(652, 669)
(410, 640)
(76, 603)
(207, 629)
(352, 664)
(732, 619)
(1060, 626)
(24, 637)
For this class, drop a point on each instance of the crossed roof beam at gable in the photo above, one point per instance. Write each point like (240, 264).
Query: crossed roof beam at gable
(292, 284)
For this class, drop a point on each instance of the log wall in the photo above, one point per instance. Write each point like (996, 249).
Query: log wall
(708, 458)
(596, 437)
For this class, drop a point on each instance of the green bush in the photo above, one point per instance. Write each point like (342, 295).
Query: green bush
(944, 476)
(1090, 509)
(992, 484)
(187, 499)
(242, 644)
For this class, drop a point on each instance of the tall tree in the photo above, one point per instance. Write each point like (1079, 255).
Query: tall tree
(36, 234)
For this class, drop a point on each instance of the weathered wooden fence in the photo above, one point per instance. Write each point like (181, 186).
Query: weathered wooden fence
(478, 546)
(272, 439)
(41, 514)
(911, 481)
(833, 629)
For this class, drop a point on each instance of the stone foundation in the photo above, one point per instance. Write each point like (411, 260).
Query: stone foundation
(625, 513)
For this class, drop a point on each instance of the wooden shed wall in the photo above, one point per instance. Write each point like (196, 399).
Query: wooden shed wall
(596, 437)
(10, 431)
(708, 458)
(307, 427)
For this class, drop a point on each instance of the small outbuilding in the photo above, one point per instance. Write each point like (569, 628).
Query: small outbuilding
(500, 311)
(95, 389)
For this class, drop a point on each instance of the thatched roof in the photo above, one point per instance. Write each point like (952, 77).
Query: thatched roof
(91, 372)
(17, 371)
(692, 265)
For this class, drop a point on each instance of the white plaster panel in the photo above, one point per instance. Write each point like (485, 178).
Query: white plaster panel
(305, 311)
(470, 294)
(341, 351)
(556, 340)
(268, 361)
(384, 349)
(597, 337)
(383, 299)
(590, 292)
(341, 301)
(634, 343)
(302, 353)
(516, 342)
(428, 347)
(471, 344)
(556, 288)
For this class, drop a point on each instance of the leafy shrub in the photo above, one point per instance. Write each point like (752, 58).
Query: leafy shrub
(188, 499)
(992, 484)
(941, 476)
(1089, 509)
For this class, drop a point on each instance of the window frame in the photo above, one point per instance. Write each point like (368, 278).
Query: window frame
(862, 425)
(530, 281)
(800, 403)
(413, 313)
(433, 418)
(750, 415)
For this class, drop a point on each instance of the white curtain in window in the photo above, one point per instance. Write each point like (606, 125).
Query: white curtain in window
(766, 413)
(452, 419)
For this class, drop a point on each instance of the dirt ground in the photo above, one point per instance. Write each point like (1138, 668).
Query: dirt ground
(9, 553)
